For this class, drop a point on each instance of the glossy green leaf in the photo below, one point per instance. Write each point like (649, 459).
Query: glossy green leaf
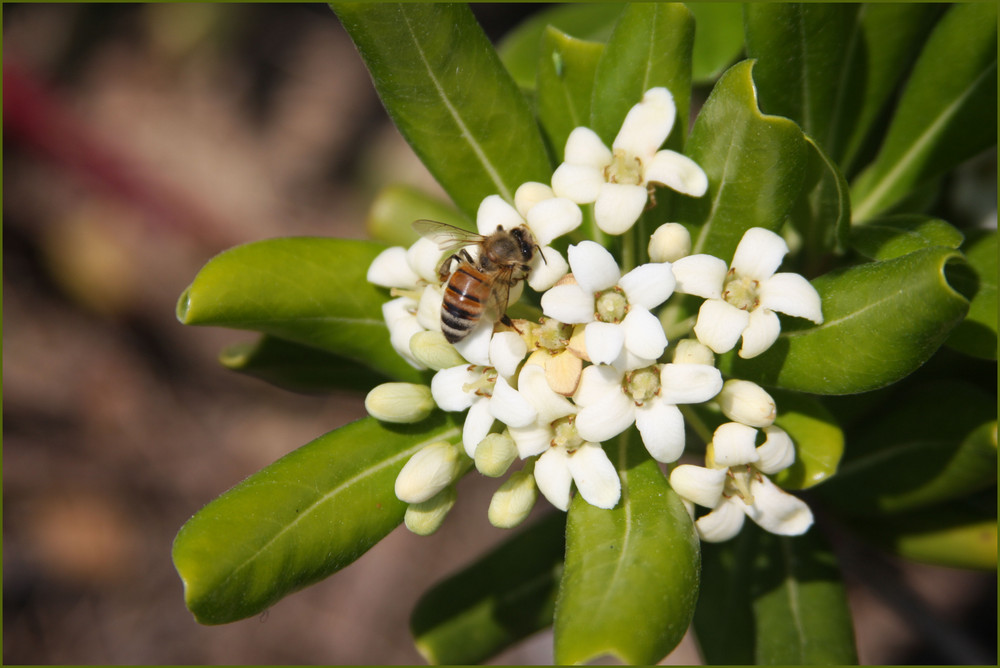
(882, 321)
(754, 163)
(395, 207)
(494, 602)
(977, 334)
(304, 517)
(443, 84)
(893, 236)
(519, 49)
(822, 216)
(298, 368)
(947, 112)
(773, 600)
(631, 578)
(819, 441)
(718, 38)
(650, 46)
(565, 81)
(308, 290)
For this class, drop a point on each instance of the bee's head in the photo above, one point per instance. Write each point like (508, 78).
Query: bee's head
(525, 242)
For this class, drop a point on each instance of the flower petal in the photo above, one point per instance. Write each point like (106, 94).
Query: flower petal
(594, 268)
(647, 124)
(424, 257)
(475, 347)
(793, 295)
(762, 331)
(391, 270)
(777, 511)
(733, 444)
(597, 383)
(720, 325)
(698, 484)
(661, 426)
(531, 440)
(510, 406)
(550, 405)
(604, 341)
(547, 267)
(689, 383)
(507, 349)
(759, 253)
(677, 172)
(553, 477)
(553, 218)
(777, 452)
(478, 422)
(584, 147)
(569, 303)
(724, 522)
(402, 326)
(595, 476)
(602, 421)
(429, 308)
(618, 206)
(447, 384)
(648, 285)
(529, 194)
(578, 183)
(700, 275)
(643, 334)
(496, 211)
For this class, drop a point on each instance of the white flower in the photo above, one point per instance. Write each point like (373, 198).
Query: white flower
(620, 329)
(669, 243)
(618, 180)
(611, 401)
(741, 300)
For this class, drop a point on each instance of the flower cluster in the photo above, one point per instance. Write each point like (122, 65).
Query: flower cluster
(549, 393)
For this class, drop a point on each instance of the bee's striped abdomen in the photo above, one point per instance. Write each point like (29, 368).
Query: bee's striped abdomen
(463, 305)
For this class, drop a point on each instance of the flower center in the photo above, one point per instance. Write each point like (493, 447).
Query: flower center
(642, 384)
(552, 335)
(741, 292)
(611, 305)
(624, 168)
(484, 384)
(738, 483)
(565, 434)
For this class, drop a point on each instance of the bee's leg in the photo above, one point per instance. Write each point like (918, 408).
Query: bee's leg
(505, 319)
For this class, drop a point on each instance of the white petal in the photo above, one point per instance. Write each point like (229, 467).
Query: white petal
(618, 206)
(662, 429)
(677, 172)
(689, 383)
(605, 420)
(547, 267)
(569, 303)
(747, 403)
(446, 388)
(553, 477)
(720, 325)
(531, 440)
(577, 183)
(493, 211)
(595, 476)
(647, 124)
(698, 484)
(553, 218)
(759, 253)
(643, 334)
(510, 406)
(593, 266)
(648, 285)
(584, 147)
(390, 269)
(424, 257)
(722, 523)
(792, 294)
(550, 405)
(507, 349)
(604, 341)
(475, 347)
(478, 422)
(777, 511)
(762, 331)
(429, 309)
(669, 243)
(700, 275)
(629, 361)
(734, 445)
(777, 452)
(529, 194)
(402, 326)
(597, 383)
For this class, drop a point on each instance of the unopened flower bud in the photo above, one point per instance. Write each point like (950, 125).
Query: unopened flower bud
(513, 501)
(429, 471)
(693, 351)
(399, 402)
(433, 350)
(425, 518)
(495, 454)
(747, 403)
(669, 243)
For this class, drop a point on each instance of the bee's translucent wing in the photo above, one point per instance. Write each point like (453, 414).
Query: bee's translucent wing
(500, 293)
(447, 237)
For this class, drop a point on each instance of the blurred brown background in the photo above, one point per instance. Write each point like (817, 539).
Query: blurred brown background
(139, 141)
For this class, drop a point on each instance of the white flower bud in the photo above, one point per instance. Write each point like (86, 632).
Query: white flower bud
(429, 471)
(399, 402)
(513, 501)
(747, 403)
(495, 454)
(425, 518)
(693, 351)
(669, 243)
(431, 349)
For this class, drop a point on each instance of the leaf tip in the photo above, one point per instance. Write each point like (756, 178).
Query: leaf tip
(184, 306)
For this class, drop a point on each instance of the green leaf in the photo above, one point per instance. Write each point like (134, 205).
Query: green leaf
(308, 290)
(773, 600)
(882, 321)
(443, 84)
(822, 216)
(754, 163)
(631, 578)
(565, 80)
(304, 517)
(520, 48)
(819, 441)
(395, 207)
(893, 236)
(977, 334)
(650, 46)
(718, 38)
(495, 602)
(947, 112)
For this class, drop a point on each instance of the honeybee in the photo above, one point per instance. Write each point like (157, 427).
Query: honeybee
(478, 285)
